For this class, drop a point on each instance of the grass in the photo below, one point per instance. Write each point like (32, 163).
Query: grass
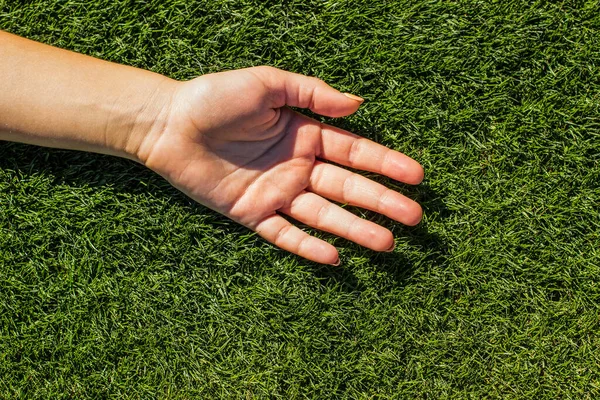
(114, 285)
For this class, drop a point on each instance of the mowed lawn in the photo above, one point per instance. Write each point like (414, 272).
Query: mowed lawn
(115, 285)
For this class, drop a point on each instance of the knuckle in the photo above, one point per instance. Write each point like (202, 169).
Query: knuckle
(317, 81)
(302, 244)
(348, 188)
(383, 200)
(322, 215)
(265, 69)
(281, 234)
(354, 152)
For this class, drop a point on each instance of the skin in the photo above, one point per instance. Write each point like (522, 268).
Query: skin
(228, 140)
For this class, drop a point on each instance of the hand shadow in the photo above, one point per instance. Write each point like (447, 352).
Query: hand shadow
(397, 266)
(81, 169)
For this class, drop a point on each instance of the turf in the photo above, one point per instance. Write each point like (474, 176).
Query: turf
(114, 285)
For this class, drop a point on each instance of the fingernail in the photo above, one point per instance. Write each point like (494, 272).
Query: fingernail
(335, 264)
(391, 247)
(353, 97)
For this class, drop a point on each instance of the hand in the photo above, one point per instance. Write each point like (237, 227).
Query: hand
(231, 144)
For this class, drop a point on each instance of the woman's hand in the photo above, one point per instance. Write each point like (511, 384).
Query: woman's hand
(230, 143)
(227, 140)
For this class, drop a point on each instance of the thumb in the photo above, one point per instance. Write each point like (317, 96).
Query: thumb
(297, 90)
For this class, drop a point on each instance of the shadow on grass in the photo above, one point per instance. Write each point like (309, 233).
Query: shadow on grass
(417, 248)
(80, 169)
(126, 177)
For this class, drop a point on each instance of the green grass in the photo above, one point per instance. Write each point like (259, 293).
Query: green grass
(112, 284)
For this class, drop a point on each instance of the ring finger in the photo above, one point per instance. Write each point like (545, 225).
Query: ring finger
(313, 210)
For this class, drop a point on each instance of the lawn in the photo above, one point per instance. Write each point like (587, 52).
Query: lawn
(115, 285)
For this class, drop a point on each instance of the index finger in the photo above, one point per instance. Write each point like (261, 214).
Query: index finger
(354, 151)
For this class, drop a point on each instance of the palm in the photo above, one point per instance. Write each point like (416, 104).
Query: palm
(234, 146)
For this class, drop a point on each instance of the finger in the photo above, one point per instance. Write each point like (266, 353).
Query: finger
(348, 149)
(282, 234)
(307, 92)
(321, 214)
(344, 186)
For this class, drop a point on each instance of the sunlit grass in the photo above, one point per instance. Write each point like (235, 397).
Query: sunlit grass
(112, 284)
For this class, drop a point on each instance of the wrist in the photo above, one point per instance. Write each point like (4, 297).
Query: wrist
(143, 116)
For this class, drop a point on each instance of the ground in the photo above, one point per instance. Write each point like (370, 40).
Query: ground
(114, 285)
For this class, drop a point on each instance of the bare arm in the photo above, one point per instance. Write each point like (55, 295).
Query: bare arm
(57, 98)
(227, 140)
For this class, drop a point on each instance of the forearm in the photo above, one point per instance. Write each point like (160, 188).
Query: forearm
(57, 98)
